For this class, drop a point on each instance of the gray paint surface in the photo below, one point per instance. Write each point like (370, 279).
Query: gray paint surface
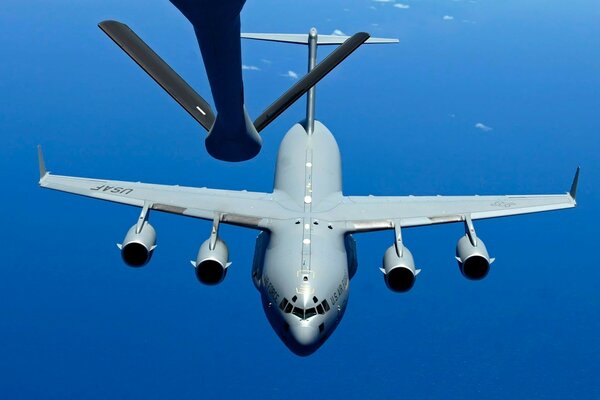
(305, 255)
(304, 252)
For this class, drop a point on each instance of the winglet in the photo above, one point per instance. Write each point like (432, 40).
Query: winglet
(573, 191)
(42, 164)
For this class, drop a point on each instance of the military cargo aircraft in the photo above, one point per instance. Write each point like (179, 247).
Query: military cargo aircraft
(305, 255)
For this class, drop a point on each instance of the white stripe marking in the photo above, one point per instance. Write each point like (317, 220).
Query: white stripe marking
(199, 109)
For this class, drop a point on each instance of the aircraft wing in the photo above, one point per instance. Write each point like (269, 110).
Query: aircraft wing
(242, 208)
(371, 213)
(249, 209)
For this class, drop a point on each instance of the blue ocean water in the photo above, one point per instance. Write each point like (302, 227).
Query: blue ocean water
(76, 323)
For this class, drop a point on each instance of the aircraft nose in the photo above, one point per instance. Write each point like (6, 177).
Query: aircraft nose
(305, 335)
(306, 338)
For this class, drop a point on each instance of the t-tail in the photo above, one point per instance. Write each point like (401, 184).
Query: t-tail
(232, 135)
(315, 71)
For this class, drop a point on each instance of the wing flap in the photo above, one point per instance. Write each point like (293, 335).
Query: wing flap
(370, 213)
(249, 209)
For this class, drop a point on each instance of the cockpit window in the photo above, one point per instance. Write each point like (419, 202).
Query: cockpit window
(287, 307)
(298, 312)
(309, 313)
(284, 303)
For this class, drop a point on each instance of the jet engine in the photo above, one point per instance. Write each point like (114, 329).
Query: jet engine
(212, 262)
(137, 247)
(473, 260)
(399, 270)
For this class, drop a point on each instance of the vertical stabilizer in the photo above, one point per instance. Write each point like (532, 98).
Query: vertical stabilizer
(310, 97)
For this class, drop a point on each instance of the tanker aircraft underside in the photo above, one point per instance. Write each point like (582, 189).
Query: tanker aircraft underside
(305, 253)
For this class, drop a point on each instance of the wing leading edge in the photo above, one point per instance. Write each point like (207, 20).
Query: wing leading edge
(371, 213)
(242, 208)
(257, 210)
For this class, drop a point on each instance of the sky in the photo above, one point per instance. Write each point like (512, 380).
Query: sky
(479, 97)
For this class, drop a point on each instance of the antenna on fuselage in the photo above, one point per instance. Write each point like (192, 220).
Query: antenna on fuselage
(348, 44)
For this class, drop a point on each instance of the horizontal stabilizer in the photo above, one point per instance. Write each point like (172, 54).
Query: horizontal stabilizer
(310, 79)
(160, 71)
(322, 40)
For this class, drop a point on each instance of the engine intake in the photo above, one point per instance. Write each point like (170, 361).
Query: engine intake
(211, 264)
(399, 272)
(473, 261)
(137, 248)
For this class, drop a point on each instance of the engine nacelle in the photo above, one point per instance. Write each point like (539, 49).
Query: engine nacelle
(399, 272)
(473, 261)
(212, 264)
(137, 248)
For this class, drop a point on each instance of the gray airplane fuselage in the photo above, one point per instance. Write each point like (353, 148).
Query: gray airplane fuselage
(305, 255)
(302, 267)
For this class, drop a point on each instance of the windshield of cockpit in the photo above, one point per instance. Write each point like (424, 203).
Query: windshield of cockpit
(303, 313)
